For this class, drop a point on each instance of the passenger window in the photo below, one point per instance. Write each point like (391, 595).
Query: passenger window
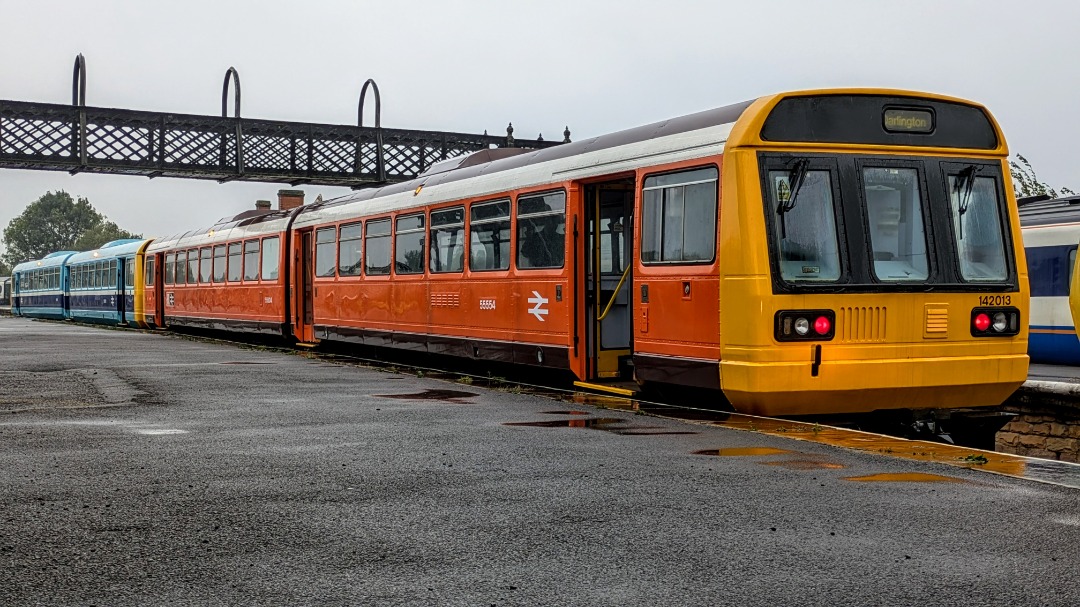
(805, 225)
(236, 261)
(193, 266)
(251, 260)
(129, 273)
(181, 267)
(1072, 263)
(409, 245)
(324, 252)
(349, 247)
(219, 263)
(377, 248)
(270, 258)
(977, 226)
(895, 210)
(148, 280)
(541, 231)
(206, 262)
(678, 223)
(489, 236)
(448, 240)
(170, 265)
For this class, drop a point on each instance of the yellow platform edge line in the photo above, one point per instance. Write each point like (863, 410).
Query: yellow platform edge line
(603, 388)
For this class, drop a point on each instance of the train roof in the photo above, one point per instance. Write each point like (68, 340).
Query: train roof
(252, 223)
(491, 172)
(110, 250)
(51, 260)
(1042, 211)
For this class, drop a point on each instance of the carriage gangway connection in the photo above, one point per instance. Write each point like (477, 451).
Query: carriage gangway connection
(78, 138)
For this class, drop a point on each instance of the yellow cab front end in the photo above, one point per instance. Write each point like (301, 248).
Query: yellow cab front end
(870, 256)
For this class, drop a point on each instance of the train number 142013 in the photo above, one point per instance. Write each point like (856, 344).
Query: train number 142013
(995, 300)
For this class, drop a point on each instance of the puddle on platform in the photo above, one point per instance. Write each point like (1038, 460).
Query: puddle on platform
(614, 425)
(564, 412)
(741, 451)
(905, 477)
(805, 464)
(450, 396)
(247, 362)
(1049, 471)
(569, 423)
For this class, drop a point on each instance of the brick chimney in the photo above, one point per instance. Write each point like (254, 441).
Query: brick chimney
(262, 205)
(289, 199)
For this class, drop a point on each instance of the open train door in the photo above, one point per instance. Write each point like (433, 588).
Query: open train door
(608, 268)
(304, 279)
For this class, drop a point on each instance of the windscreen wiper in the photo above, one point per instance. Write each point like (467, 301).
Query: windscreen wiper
(965, 184)
(795, 180)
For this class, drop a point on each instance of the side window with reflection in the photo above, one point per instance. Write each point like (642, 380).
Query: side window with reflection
(170, 266)
(148, 280)
(271, 252)
(678, 217)
(251, 260)
(350, 244)
(206, 262)
(541, 231)
(236, 261)
(325, 248)
(447, 240)
(181, 267)
(489, 236)
(409, 245)
(219, 263)
(377, 248)
(1072, 264)
(193, 266)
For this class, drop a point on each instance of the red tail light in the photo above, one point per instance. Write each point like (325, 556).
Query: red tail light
(995, 322)
(805, 325)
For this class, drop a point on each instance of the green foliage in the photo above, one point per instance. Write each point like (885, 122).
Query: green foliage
(5, 270)
(56, 222)
(1025, 183)
(106, 231)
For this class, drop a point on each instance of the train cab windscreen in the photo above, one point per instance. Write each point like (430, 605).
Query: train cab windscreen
(865, 223)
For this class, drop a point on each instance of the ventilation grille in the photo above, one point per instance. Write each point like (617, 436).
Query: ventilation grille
(445, 300)
(937, 321)
(862, 325)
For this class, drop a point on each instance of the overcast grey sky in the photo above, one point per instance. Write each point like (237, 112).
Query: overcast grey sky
(595, 65)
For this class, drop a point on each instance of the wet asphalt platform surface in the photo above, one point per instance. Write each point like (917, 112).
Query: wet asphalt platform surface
(143, 469)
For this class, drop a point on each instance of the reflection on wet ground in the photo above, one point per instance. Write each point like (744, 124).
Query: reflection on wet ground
(614, 425)
(905, 477)
(564, 412)
(806, 464)
(741, 451)
(247, 362)
(450, 396)
(1049, 471)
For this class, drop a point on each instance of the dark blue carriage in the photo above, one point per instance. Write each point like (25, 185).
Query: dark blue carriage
(39, 287)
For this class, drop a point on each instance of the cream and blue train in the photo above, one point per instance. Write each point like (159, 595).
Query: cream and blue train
(1051, 230)
(100, 286)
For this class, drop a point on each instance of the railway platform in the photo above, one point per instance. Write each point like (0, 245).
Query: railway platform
(143, 468)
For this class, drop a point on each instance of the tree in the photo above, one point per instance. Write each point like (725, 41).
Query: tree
(98, 235)
(1026, 184)
(4, 269)
(55, 222)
